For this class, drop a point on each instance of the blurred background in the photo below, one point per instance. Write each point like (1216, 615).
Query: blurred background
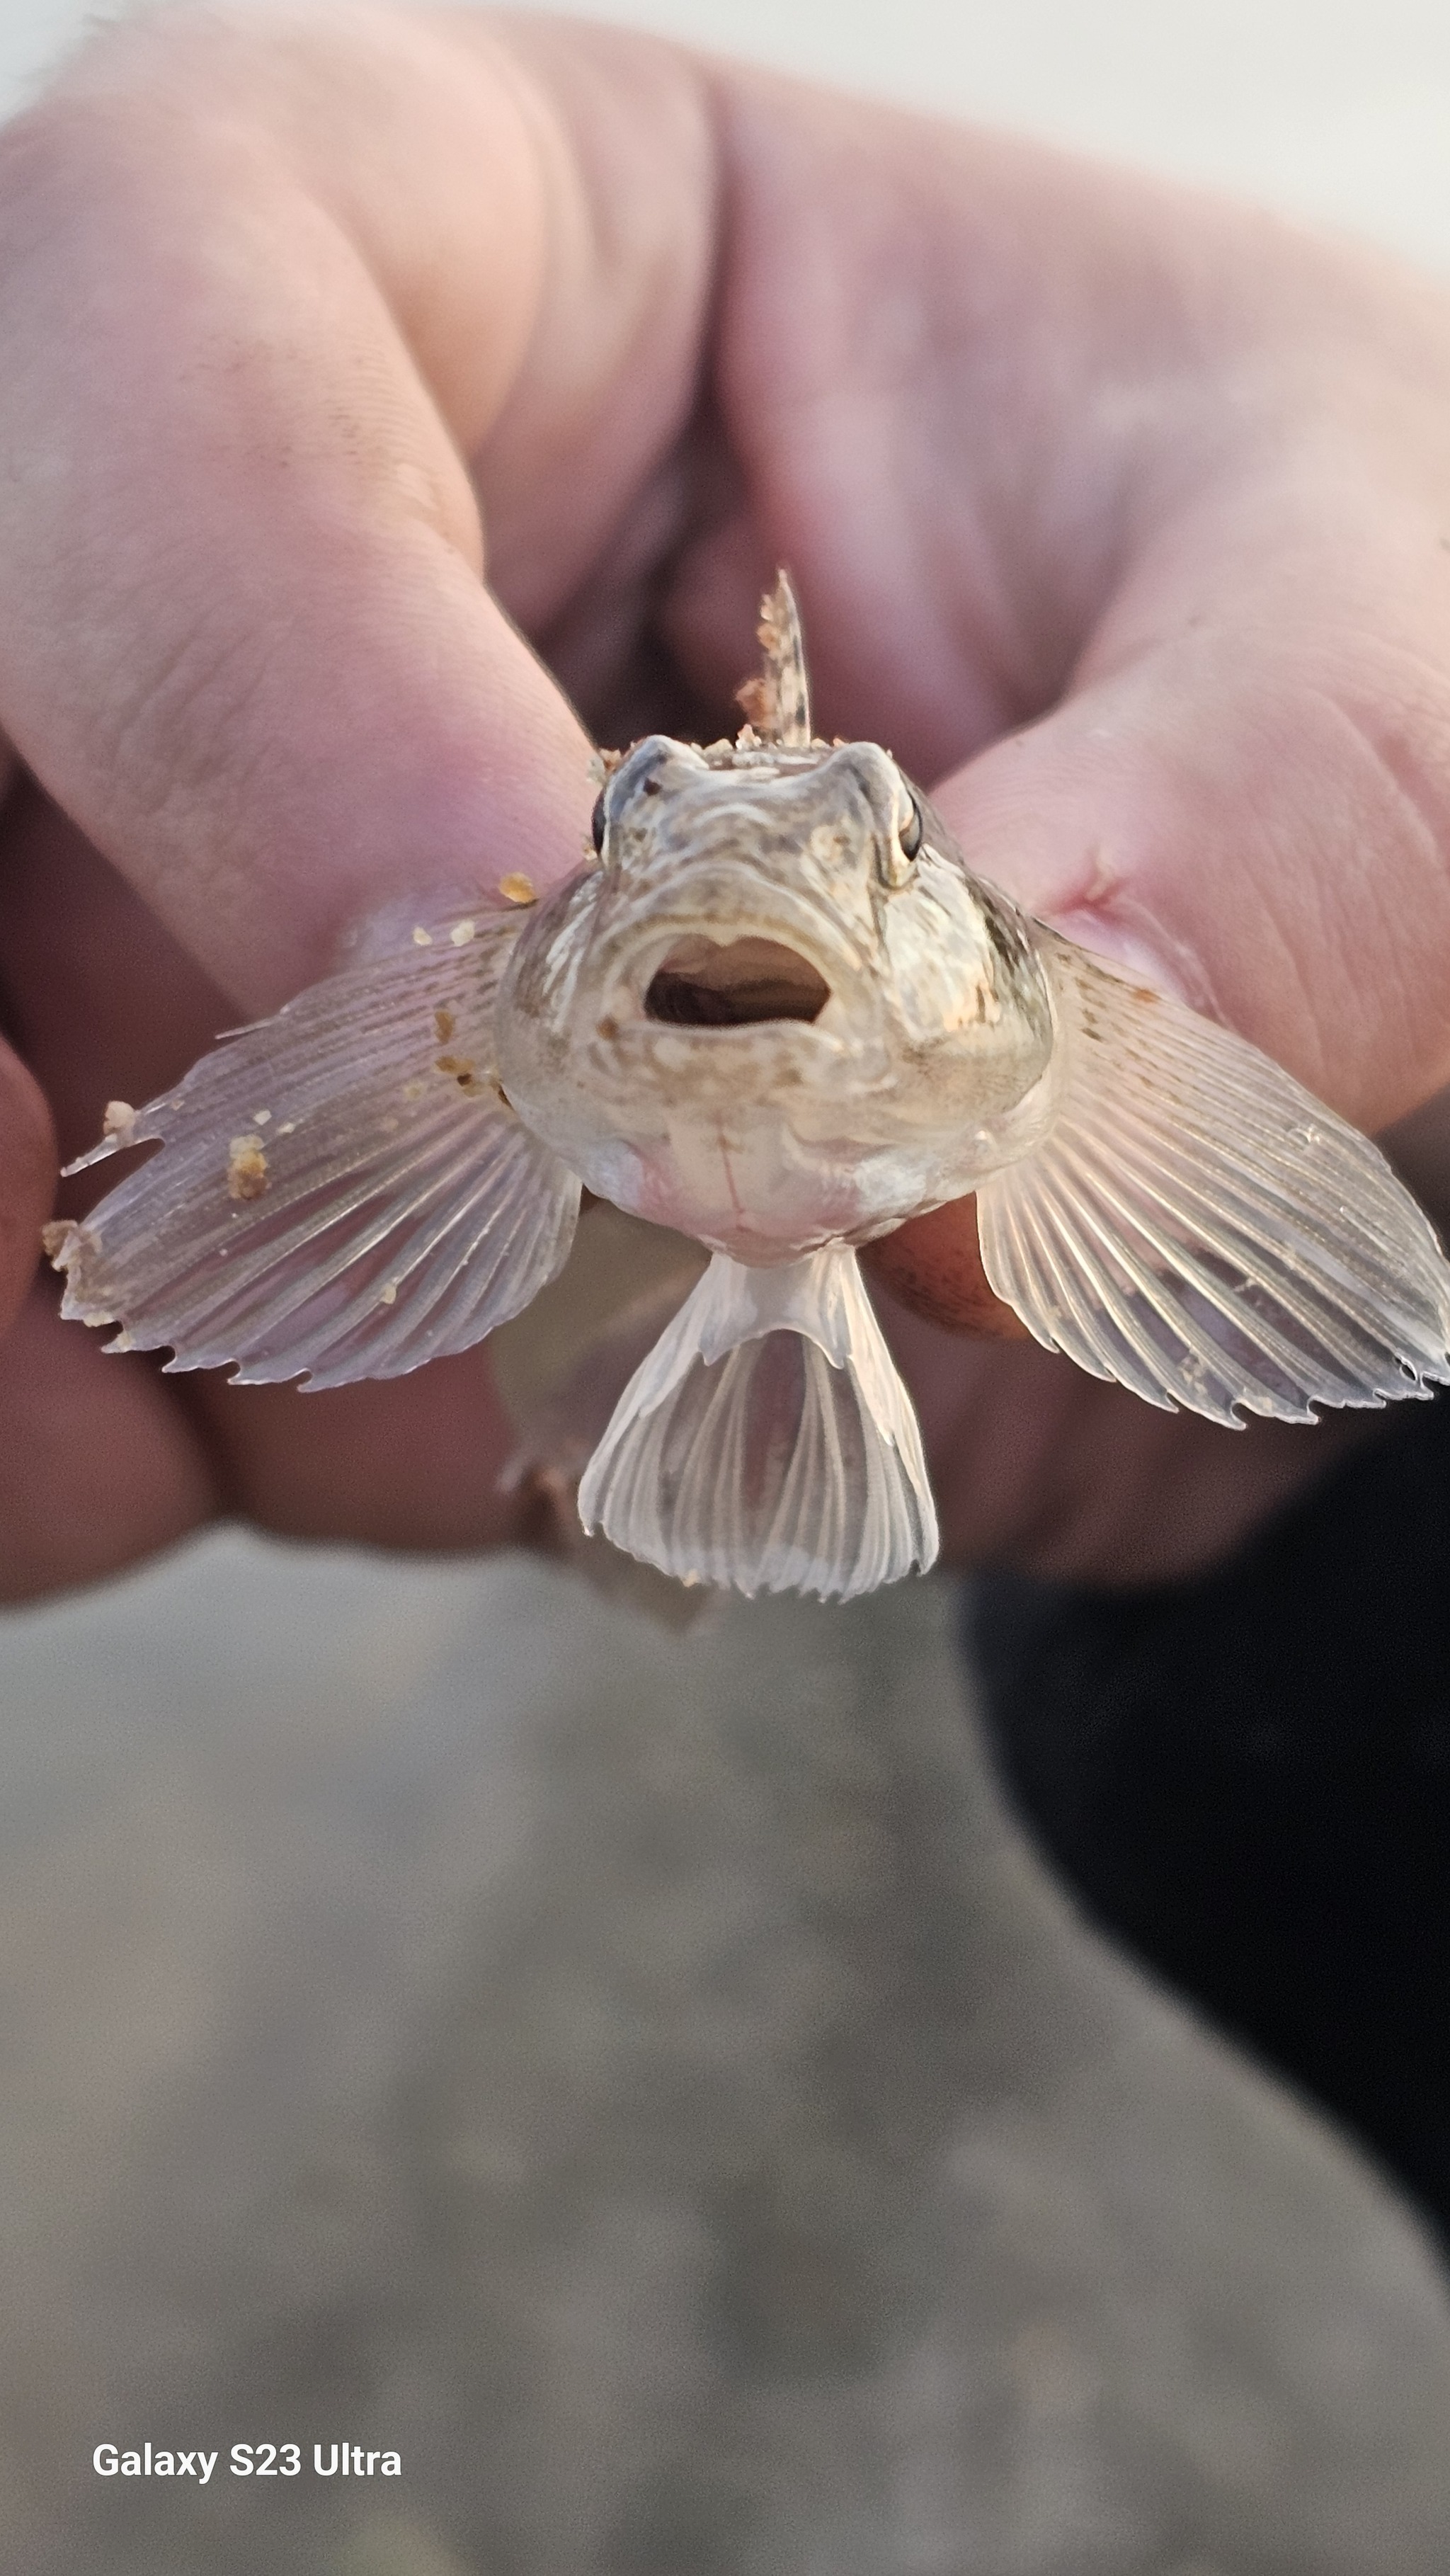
(646, 2080)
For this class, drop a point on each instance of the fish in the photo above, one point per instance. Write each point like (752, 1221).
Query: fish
(774, 1011)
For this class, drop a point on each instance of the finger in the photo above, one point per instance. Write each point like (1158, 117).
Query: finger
(1151, 487)
(101, 1001)
(28, 1153)
(1256, 809)
(1254, 802)
(27, 1139)
(413, 1462)
(110, 1470)
(243, 639)
(104, 996)
(27, 1178)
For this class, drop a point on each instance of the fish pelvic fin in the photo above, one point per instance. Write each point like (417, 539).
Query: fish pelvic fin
(342, 1190)
(767, 1443)
(1200, 1228)
(777, 703)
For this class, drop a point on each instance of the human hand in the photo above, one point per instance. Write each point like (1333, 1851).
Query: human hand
(1118, 514)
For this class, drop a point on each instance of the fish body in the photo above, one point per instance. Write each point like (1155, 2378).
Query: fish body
(776, 1012)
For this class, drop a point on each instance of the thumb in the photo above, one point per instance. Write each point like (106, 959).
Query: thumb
(27, 1180)
(1252, 809)
(1255, 808)
(244, 642)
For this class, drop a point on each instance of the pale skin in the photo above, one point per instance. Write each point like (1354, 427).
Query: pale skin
(341, 353)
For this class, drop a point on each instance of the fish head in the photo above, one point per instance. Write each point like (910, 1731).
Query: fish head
(777, 1009)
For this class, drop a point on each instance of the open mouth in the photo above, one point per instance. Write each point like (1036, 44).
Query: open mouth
(704, 986)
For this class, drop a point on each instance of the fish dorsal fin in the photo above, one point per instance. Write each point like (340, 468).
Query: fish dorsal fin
(1202, 1229)
(342, 1191)
(767, 1443)
(778, 703)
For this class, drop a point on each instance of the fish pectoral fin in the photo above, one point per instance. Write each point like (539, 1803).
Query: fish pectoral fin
(767, 1443)
(1202, 1229)
(341, 1191)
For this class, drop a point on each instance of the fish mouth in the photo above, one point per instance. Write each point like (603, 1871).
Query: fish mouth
(710, 984)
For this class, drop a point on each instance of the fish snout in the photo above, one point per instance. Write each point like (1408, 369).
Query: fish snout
(734, 962)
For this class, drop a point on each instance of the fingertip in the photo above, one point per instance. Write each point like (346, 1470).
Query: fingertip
(413, 1462)
(1233, 831)
(28, 1166)
(112, 1474)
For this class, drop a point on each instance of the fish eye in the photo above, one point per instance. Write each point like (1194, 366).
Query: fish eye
(896, 862)
(596, 826)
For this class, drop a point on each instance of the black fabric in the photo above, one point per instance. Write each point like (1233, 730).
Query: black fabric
(1247, 1778)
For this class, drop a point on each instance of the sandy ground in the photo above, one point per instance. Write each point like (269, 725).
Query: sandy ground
(647, 2081)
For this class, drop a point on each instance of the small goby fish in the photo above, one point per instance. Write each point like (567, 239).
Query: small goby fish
(775, 1011)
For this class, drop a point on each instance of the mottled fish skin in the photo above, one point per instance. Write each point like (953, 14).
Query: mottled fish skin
(924, 1066)
(777, 1013)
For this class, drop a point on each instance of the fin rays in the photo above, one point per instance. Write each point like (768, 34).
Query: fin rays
(1238, 1244)
(393, 1208)
(1200, 1228)
(767, 1442)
